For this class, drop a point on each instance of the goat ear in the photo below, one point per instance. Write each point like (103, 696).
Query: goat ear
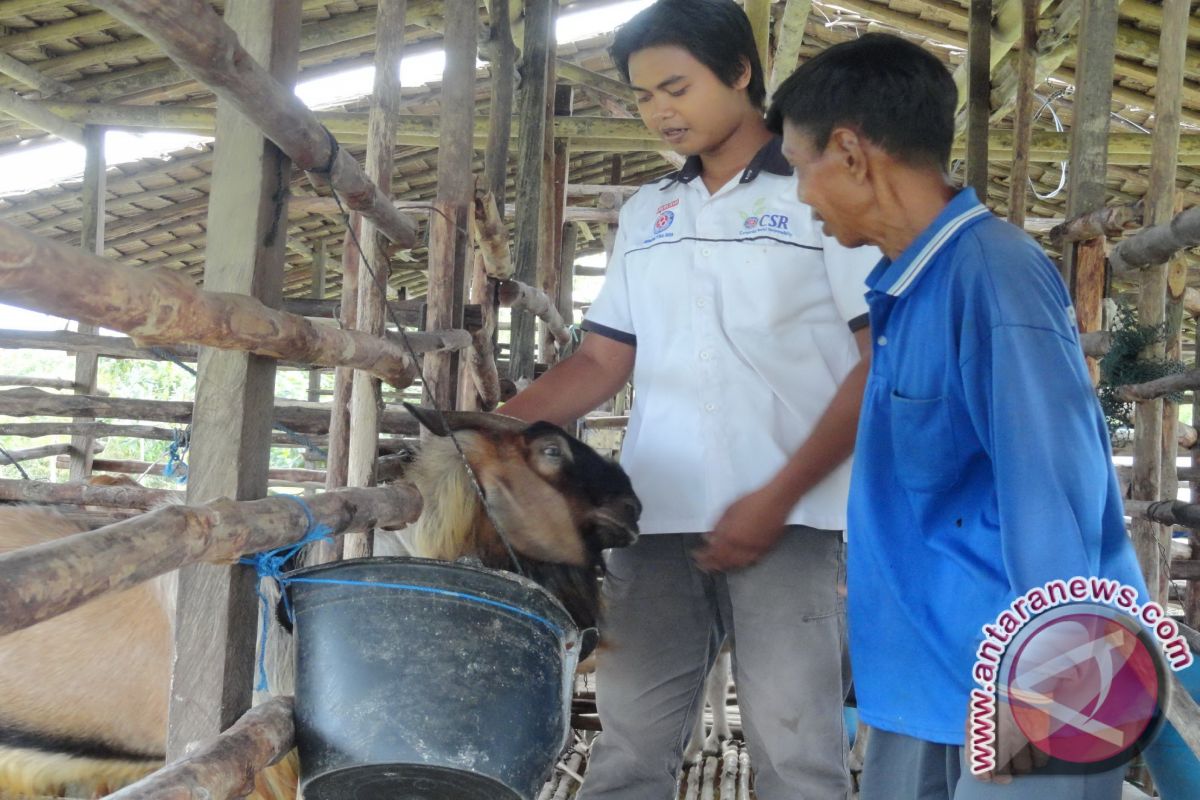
(432, 421)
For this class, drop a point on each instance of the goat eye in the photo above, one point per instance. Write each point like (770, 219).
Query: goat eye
(552, 451)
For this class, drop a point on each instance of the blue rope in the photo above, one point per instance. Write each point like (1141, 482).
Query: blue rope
(269, 564)
(180, 443)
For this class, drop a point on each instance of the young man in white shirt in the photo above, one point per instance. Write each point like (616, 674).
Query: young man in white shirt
(744, 329)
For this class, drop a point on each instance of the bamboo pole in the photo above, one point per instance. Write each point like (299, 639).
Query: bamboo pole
(133, 467)
(38, 116)
(54, 577)
(365, 395)
(197, 39)
(163, 307)
(223, 767)
(759, 12)
(32, 78)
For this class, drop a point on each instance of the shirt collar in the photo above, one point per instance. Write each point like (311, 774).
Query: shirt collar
(769, 158)
(897, 277)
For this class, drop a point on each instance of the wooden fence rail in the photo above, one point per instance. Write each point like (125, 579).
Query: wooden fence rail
(224, 766)
(50, 578)
(162, 306)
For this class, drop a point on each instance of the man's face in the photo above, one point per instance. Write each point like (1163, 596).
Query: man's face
(682, 101)
(825, 181)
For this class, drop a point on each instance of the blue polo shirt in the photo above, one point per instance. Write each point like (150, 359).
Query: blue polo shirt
(982, 467)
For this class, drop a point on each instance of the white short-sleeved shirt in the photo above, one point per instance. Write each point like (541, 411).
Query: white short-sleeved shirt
(742, 313)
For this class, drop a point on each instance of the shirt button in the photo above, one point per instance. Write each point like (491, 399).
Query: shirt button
(705, 355)
(701, 302)
(710, 407)
(706, 252)
(882, 341)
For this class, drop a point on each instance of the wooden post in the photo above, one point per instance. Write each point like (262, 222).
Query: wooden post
(92, 241)
(1083, 265)
(759, 12)
(979, 45)
(791, 37)
(531, 108)
(502, 53)
(366, 401)
(449, 236)
(231, 421)
(1160, 208)
(1023, 124)
(550, 264)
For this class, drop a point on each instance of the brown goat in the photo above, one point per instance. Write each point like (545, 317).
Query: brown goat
(83, 696)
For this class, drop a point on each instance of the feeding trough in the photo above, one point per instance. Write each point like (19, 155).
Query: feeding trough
(425, 679)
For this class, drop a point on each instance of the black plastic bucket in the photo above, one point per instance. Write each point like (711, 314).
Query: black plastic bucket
(424, 679)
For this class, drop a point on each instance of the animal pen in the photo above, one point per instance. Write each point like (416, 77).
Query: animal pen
(302, 239)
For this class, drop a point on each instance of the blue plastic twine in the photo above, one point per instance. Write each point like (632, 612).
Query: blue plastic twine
(269, 564)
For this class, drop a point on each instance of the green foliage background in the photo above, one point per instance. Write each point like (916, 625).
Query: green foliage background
(143, 380)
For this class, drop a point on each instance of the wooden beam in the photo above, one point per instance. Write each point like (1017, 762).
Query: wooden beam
(539, 45)
(1155, 245)
(979, 92)
(1018, 188)
(83, 494)
(1105, 222)
(23, 73)
(154, 432)
(599, 134)
(449, 238)
(299, 417)
(223, 767)
(108, 346)
(91, 241)
(134, 467)
(160, 306)
(365, 398)
(44, 451)
(230, 443)
(54, 577)
(501, 52)
(38, 116)
(197, 39)
(791, 38)
(550, 263)
(522, 297)
(611, 87)
(29, 380)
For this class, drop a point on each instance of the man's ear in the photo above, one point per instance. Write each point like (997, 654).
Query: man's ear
(851, 150)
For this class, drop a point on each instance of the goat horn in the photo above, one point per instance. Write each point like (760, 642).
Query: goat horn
(431, 420)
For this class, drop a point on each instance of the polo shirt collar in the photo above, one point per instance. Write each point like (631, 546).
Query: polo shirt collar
(897, 277)
(769, 158)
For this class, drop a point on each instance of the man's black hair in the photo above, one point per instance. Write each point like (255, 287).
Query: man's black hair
(896, 94)
(716, 32)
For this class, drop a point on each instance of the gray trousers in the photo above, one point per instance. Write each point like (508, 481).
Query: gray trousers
(899, 767)
(664, 623)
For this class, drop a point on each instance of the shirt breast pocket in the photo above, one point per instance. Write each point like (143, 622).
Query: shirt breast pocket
(925, 448)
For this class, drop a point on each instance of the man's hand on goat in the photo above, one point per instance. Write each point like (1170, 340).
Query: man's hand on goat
(745, 532)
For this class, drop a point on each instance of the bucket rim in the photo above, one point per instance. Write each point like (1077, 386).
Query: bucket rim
(570, 629)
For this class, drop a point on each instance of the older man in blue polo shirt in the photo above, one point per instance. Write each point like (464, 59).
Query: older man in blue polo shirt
(982, 468)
